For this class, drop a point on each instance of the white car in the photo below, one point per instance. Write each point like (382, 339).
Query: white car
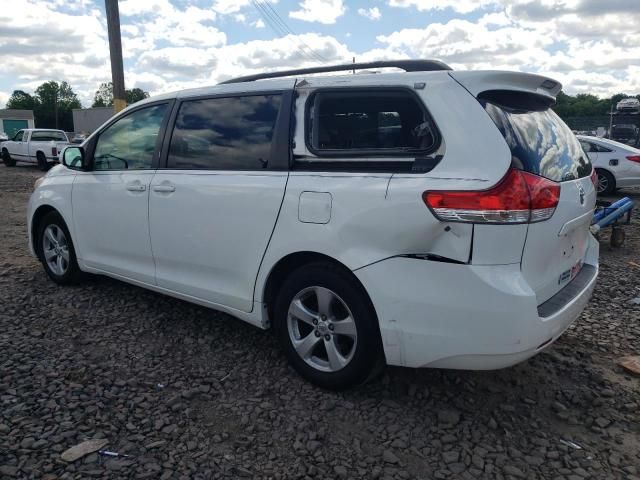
(628, 105)
(429, 218)
(617, 164)
(34, 145)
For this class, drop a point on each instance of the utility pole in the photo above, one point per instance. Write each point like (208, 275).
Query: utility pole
(55, 103)
(115, 49)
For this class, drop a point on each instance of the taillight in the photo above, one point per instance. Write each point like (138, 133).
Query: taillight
(520, 197)
(634, 158)
(594, 178)
(54, 151)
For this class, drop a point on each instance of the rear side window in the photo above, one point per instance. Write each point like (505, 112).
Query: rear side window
(588, 147)
(231, 133)
(374, 122)
(540, 142)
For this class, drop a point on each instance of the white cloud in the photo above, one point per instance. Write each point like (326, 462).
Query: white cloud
(226, 7)
(240, 17)
(321, 11)
(4, 96)
(460, 6)
(154, 19)
(258, 23)
(370, 13)
(38, 43)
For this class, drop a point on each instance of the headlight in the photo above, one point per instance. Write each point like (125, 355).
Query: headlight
(38, 182)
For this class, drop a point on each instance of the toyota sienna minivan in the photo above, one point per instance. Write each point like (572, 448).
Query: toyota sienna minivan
(423, 218)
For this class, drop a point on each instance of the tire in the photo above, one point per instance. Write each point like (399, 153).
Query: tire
(6, 158)
(299, 316)
(42, 161)
(606, 182)
(62, 269)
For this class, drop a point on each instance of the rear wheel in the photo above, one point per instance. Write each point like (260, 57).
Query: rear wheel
(42, 162)
(6, 158)
(606, 182)
(56, 251)
(327, 327)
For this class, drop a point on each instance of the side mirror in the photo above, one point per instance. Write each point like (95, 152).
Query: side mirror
(73, 157)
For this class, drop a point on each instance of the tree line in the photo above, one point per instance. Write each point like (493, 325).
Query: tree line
(586, 105)
(52, 102)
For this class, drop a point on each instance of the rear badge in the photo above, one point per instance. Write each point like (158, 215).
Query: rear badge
(581, 193)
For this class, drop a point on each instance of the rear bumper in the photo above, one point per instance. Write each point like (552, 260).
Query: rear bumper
(435, 314)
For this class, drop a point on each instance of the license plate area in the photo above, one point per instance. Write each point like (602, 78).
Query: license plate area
(570, 274)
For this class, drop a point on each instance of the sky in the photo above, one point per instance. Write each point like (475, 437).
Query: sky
(591, 46)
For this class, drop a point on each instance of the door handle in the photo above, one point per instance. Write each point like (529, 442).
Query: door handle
(136, 187)
(164, 188)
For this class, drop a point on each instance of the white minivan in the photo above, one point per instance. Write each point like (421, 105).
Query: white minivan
(425, 218)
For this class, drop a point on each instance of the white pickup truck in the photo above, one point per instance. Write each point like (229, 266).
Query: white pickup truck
(34, 145)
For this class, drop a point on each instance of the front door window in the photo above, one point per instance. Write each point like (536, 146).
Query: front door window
(129, 143)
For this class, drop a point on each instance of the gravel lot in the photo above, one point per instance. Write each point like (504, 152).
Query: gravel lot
(190, 393)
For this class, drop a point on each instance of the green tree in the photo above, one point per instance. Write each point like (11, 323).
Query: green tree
(586, 105)
(55, 104)
(104, 95)
(21, 100)
(135, 95)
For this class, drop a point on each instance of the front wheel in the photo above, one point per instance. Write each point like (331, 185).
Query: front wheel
(327, 327)
(55, 250)
(6, 158)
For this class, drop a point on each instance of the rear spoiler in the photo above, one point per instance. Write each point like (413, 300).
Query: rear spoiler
(477, 82)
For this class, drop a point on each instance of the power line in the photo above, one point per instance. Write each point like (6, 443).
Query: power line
(280, 28)
(282, 22)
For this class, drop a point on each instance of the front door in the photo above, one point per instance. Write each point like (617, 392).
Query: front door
(18, 146)
(214, 206)
(111, 202)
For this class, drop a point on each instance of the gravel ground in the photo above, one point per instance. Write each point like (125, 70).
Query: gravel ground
(190, 393)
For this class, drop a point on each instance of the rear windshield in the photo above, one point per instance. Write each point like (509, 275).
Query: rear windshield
(540, 142)
(47, 136)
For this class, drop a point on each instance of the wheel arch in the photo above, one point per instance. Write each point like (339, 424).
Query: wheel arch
(604, 170)
(613, 175)
(36, 218)
(293, 261)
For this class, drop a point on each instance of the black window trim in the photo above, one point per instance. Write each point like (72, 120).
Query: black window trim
(602, 148)
(91, 146)
(407, 156)
(280, 153)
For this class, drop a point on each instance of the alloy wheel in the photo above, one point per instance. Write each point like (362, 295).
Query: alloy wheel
(603, 183)
(322, 329)
(55, 249)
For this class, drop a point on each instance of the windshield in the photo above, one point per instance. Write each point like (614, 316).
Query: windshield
(540, 142)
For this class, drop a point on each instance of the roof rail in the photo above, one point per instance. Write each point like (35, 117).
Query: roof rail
(406, 65)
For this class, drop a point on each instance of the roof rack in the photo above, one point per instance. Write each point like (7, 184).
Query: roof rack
(406, 65)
